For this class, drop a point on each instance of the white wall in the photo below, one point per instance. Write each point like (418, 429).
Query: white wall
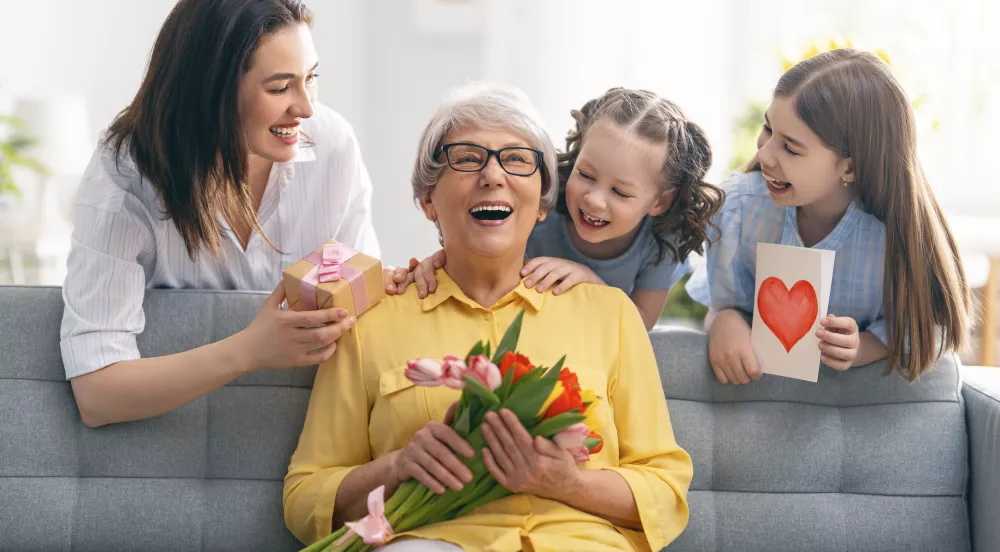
(387, 62)
(379, 70)
(406, 72)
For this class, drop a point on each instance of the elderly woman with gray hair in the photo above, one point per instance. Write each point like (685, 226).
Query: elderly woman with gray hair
(485, 174)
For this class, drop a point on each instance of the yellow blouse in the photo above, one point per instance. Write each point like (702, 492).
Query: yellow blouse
(362, 407)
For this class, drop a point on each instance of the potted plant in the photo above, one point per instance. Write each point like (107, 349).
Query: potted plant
(13, 143)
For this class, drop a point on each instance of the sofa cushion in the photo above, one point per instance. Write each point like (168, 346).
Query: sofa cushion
(207, 476)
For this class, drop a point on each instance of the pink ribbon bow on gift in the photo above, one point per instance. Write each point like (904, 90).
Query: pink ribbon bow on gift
(331, 266)
(373, 528)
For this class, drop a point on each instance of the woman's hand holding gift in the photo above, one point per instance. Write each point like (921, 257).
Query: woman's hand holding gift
(279, 338)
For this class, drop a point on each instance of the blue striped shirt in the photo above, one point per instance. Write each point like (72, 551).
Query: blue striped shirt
(750, 216)
(122, 244)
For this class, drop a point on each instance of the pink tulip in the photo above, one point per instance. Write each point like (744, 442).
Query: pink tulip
(485, 372)
(572, 437)
(580, 454)
(373, 528)
(453, 371)
(424, 371)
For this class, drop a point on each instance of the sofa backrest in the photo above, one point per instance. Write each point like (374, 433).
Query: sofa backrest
(855, 462)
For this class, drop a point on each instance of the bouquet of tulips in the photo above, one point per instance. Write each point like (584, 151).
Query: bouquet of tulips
(548, 401)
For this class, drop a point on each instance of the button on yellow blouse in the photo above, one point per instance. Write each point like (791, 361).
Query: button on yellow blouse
(362, 407)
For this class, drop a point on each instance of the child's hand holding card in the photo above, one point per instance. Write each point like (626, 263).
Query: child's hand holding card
(792, 296)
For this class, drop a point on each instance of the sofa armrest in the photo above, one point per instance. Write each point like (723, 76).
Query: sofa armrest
(981, 391)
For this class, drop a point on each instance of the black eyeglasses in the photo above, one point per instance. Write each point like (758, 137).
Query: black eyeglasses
(466, 157)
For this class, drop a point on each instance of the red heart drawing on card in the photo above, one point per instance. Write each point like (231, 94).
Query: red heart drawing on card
(788, 314)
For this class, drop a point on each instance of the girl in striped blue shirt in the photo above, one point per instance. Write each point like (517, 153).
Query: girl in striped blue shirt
(836, 168)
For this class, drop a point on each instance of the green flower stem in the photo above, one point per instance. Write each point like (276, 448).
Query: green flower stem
(324, 544)
(495, 493)
(354, 544)
(440, 507)
(414, 498)
(398, 502)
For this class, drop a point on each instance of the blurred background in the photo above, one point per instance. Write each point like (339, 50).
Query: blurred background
(68, 66)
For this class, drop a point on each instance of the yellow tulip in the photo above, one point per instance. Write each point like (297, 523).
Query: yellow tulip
(591, 399)
(556, 392)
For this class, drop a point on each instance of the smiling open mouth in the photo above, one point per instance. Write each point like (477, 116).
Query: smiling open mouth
(285, 131)
(593, 221)
(777, 185)
(490, 212)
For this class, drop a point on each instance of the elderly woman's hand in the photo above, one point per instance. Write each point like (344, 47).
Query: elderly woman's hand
(523, 464)
(430, 458)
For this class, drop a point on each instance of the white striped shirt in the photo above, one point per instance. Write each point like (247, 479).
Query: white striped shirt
(122, 244)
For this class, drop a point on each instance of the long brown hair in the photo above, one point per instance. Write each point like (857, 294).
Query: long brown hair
(183, 129)
(853, 102)
(688, 158)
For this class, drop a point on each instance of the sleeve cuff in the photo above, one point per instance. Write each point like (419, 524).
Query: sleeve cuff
(89, 352)
(317, 521)
(878, 329)
(662, 522)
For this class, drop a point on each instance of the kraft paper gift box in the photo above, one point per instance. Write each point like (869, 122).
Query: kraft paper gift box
(334, 276)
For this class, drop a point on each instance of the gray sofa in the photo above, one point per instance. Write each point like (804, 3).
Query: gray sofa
(857, 461)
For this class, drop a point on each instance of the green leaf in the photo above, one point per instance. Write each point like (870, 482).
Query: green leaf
(509, 341)
(534, 374)
(548, 428)
(481, 391)
(477, 349)
(558, 367)
(529, 397)
(13, 122)
(7, 183)
(591, 443)
(462, 423)
(506, 385)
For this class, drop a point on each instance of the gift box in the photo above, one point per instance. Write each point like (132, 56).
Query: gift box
(334, 276)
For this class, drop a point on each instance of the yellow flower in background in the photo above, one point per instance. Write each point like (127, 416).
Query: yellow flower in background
(832, 43)
(885, 57)
(747, 126)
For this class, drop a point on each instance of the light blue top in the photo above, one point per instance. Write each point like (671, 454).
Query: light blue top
(750, 216)
(636, 268)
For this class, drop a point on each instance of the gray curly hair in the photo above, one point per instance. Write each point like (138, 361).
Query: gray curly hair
(487, 106)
